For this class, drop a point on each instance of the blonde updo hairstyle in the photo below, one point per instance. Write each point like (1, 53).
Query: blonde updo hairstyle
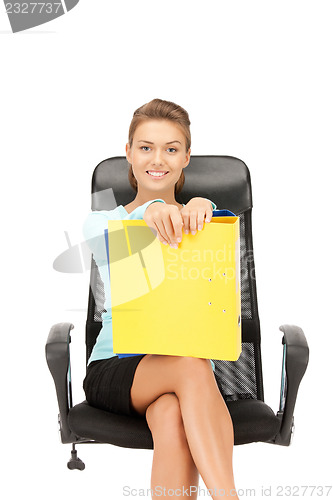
(157, 109)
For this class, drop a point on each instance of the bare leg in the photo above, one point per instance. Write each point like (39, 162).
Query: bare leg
(174, 474)
(207, 423)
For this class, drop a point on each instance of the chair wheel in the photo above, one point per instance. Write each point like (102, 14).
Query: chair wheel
(75, 462)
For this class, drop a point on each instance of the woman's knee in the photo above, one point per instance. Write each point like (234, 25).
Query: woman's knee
(165, 407)
(196, 369)
(201, 364)
(164, 418)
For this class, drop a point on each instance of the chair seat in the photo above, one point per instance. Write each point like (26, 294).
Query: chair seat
(253, 421)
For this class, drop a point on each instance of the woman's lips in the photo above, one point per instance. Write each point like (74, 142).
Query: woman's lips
(158, 173)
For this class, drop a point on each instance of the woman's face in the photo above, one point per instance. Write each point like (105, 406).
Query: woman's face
(158, 154)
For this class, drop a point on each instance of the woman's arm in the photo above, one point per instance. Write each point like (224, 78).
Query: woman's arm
(97, 222)
(93, 232)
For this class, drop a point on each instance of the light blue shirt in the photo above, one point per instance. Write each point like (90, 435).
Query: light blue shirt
(93, 230)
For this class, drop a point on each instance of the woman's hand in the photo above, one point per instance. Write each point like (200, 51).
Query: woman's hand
(195, 213)
(167, 221)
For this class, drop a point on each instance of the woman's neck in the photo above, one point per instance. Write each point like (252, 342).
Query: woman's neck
(142, 198)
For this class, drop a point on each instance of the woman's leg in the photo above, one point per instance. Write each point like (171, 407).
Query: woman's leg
(174, 474)
(207, 423)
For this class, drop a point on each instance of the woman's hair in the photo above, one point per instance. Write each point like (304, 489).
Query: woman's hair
(157, 109)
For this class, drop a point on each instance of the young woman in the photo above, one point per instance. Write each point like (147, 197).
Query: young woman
(179, 397)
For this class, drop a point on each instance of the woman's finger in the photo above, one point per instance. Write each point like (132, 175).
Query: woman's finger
(162, 231)
(186, 222)
(201, 216)
(177, 224)
(209, 215)
(193, 222)
(168, 222)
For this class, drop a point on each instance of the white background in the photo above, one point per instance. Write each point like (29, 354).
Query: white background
(255, 77)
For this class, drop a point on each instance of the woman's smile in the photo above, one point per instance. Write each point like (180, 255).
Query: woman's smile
(157, 174)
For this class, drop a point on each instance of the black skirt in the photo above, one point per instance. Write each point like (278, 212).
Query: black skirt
(108, 383)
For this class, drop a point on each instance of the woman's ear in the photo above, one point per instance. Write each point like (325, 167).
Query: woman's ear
(128, 153)
(187, 157)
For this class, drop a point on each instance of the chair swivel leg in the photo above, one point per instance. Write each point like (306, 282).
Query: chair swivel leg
(75, 462)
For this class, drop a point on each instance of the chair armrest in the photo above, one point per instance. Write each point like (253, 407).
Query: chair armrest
(58, 360)
(294, 364)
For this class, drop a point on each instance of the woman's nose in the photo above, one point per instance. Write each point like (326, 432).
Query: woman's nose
(157, 160)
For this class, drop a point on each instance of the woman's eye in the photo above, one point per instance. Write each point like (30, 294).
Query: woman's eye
(145, 148)
(173, 150)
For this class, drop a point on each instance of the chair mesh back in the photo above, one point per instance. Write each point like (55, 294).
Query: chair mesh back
(99, 296)
(246, 284)
(238, 379)
(241, 379)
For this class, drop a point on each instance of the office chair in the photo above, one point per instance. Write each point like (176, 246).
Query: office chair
(226, 181)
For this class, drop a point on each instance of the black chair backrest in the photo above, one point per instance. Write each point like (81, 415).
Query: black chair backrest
(226, 181)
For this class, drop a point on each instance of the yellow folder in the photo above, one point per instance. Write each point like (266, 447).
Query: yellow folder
(181, 301)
